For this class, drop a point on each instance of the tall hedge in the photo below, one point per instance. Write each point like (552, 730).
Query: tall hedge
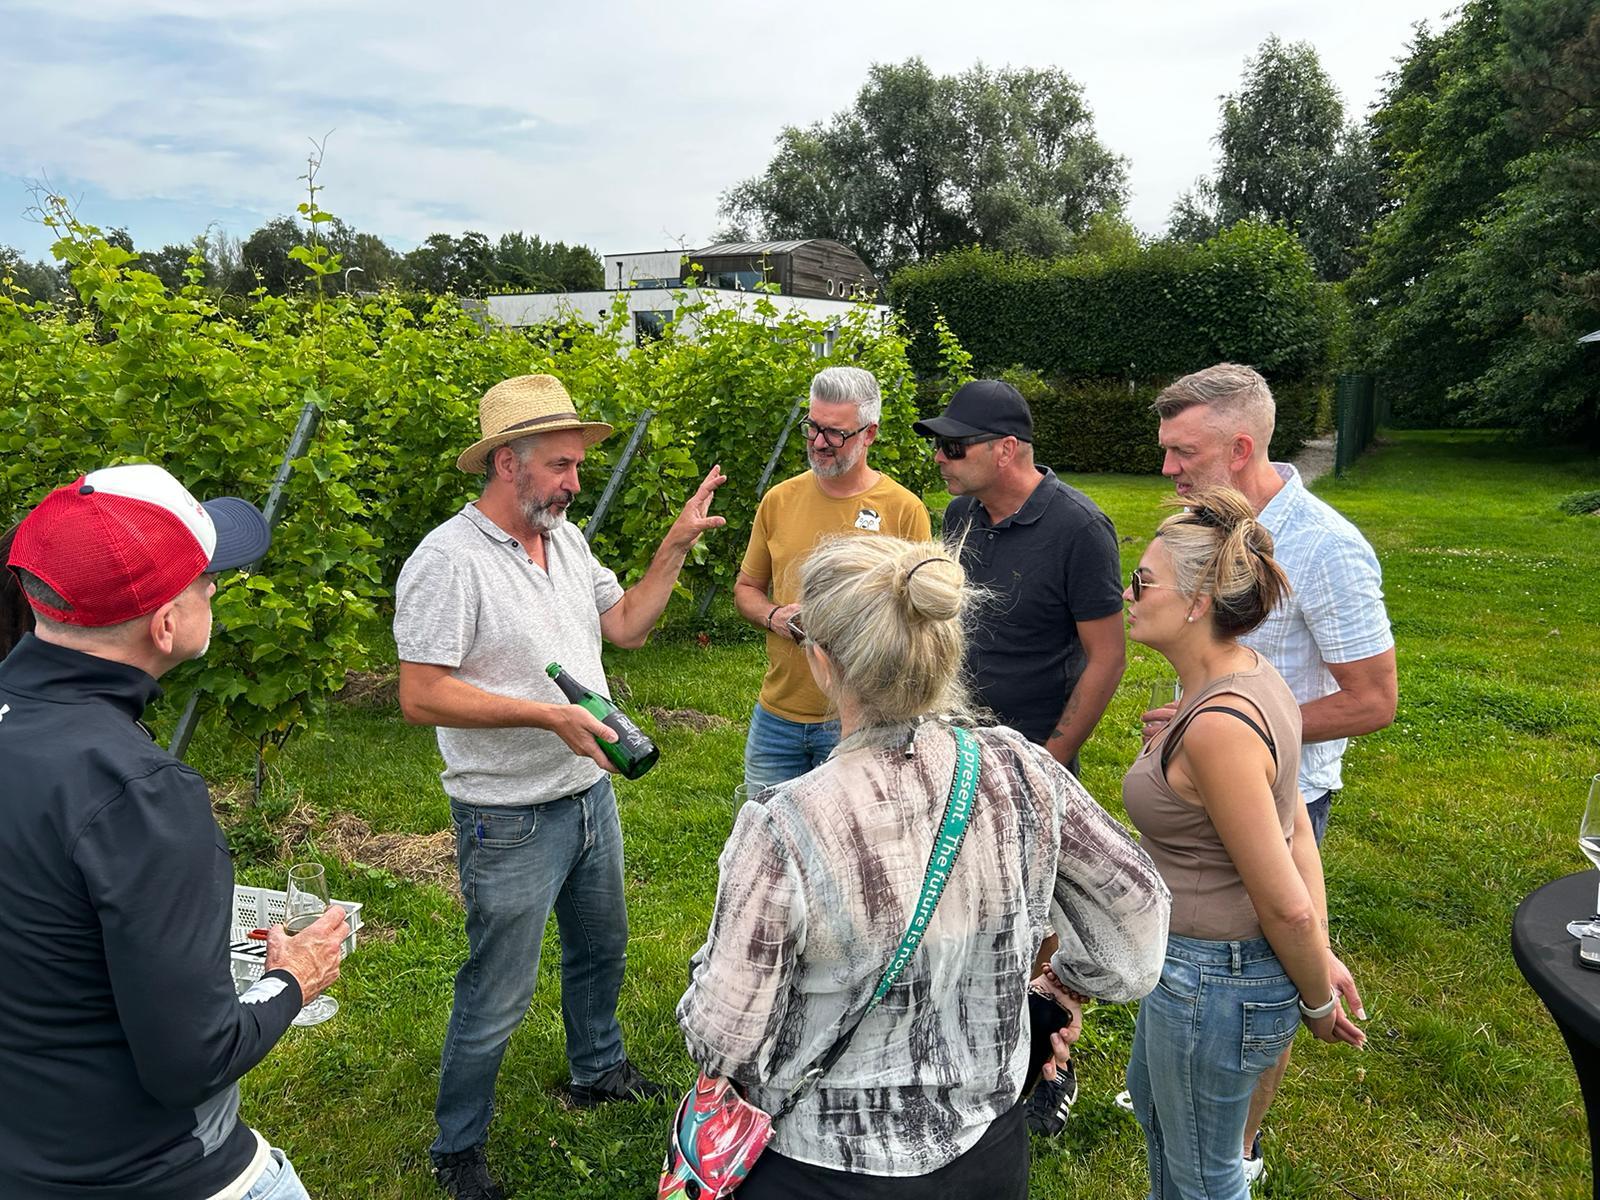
(1082, 329)
(1248, 295)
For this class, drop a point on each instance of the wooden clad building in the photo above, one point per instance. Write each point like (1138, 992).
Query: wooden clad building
(815, 267)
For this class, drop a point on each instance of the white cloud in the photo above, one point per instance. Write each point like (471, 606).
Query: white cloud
(614, 124)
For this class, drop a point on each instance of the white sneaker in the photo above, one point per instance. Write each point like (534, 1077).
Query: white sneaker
(1255, 1163)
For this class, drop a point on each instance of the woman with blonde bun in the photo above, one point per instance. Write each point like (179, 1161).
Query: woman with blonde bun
(820, 878)
(1215, 798)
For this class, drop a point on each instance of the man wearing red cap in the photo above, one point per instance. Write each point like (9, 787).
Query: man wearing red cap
(122, 1040)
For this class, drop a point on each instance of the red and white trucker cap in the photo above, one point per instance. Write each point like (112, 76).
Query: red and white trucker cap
(122, 541)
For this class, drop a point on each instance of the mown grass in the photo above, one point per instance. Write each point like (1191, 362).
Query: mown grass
(1448, 819)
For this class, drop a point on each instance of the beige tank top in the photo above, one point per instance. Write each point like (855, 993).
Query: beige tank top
(1208, 898)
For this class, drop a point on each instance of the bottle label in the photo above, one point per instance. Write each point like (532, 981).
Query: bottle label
(629, 736)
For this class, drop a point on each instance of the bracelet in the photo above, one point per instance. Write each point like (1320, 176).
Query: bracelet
(1322, 1010)
(775, 608)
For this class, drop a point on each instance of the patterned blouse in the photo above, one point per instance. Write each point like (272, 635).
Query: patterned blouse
(816, 887)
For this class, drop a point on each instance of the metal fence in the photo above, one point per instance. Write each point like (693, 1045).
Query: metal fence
(1360, 410)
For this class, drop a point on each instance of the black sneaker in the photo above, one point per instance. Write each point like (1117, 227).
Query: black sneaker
(622, 1082)
(464, 1175)
(1052, 1101)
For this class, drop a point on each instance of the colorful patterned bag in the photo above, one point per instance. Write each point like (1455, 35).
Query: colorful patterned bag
(717, 1134)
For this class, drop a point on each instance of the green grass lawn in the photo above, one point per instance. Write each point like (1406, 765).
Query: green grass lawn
(1448, 819)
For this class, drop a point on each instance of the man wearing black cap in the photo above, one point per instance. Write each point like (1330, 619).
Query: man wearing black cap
(1047, 654)
(122, 1040)
(1046, 657)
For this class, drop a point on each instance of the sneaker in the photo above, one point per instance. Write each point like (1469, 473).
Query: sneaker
(1255, 1166)
(1052, 1101)
(622, 1082)
(464, 1175)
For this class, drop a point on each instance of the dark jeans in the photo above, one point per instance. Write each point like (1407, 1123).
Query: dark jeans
(1317, 810)
(996, 1168)
(516, 864)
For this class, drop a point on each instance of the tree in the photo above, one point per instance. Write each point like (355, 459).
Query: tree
(924, 163)
(1486, 270)
(380, 264)
(36, 280)
(264, 258)
(1286, 154)
(529, 264)
(168, 264)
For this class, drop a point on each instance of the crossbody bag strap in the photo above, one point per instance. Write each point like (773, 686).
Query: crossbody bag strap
(941, 862)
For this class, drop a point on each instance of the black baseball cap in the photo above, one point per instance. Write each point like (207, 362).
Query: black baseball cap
(982, 406)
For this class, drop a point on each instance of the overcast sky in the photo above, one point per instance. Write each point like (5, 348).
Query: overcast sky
(616, 126)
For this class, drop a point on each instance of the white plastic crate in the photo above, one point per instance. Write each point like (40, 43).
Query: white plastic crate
(262, 908)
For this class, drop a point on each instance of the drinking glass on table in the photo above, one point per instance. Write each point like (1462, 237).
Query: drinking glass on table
(307, 901)
(1589, 843)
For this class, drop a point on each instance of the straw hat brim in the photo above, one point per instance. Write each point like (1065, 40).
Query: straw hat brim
(474, 456)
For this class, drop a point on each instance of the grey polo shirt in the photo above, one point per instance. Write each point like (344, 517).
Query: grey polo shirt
(1049, 565)
(469, 599)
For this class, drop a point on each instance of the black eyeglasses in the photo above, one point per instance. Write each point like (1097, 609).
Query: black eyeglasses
(834, 437)
(1137, 584)
(954, 448)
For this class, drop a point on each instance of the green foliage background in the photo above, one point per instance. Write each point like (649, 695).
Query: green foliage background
(1091, 339)
(129, 371)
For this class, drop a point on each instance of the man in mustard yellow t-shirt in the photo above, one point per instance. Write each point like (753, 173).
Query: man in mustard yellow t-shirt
(791, 730)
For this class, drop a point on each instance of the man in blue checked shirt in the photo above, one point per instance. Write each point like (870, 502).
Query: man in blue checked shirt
(1330, 639)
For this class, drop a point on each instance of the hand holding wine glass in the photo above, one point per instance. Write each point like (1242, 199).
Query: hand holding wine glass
(308, 925)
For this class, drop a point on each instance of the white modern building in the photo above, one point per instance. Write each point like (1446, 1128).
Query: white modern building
(822, 279)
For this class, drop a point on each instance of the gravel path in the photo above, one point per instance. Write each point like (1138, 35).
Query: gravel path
(1315, 459)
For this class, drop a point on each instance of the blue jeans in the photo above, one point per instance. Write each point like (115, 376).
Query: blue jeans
(1222, 1014)
(516, 864)
(1317, 810)
(278, 1182)
(779, 750)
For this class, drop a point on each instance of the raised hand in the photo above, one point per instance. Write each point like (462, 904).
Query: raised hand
(696, 516)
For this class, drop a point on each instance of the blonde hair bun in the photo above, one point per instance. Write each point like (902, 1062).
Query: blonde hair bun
(931, 586)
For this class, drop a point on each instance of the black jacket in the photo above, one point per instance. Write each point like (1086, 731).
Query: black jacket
(121, 1038)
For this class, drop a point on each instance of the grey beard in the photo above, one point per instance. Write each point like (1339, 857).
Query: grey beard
(828, 468)
(542, 518)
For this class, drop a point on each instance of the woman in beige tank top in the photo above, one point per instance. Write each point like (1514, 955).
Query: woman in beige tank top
(1214, 796)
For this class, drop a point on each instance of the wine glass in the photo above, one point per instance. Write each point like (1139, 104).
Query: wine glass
(1165, 692)
(307, 901)
(1589, 843)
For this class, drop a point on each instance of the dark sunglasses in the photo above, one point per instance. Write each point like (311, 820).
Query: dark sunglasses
(833, 437)
(954, 448)
(1137, 584)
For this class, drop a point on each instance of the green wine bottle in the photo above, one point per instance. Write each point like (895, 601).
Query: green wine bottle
(633, 753)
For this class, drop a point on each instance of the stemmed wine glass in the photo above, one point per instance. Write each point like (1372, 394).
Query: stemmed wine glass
(1589, 843)
(307, 901)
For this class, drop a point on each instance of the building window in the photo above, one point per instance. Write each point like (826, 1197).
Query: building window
(650, 325)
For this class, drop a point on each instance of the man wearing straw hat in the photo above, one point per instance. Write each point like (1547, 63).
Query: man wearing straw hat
(502, 588)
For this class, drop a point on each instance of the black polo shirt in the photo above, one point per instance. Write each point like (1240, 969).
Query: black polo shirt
(1050, 565)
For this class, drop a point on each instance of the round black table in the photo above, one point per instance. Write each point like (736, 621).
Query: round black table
(1547, 956)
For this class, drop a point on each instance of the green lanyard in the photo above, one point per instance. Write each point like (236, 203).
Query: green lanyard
(942, 860)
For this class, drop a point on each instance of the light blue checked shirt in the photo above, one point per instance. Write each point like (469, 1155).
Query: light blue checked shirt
(1334, 614)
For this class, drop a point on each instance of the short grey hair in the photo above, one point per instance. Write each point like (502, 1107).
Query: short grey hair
(521, 447)
(1227, 388)
(849, 385)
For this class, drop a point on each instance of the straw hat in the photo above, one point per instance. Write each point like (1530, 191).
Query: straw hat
(522, 405)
